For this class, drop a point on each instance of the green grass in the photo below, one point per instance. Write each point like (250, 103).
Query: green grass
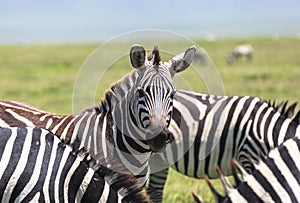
(44, 76)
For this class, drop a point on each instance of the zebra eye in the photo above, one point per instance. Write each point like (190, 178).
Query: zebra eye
(141, 92)
(169, 119)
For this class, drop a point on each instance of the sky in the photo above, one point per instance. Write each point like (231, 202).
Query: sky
(81, 21)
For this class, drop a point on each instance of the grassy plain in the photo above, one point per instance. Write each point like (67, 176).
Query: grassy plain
(44, 75)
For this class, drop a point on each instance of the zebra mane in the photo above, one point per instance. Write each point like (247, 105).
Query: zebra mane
(285, 110)
(236, 168)
(115, 92)
(125, 184)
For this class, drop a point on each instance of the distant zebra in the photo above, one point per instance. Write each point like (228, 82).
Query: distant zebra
(131, 121)
(210, 130)
(239, 51)
(35, 166)
(275, 178)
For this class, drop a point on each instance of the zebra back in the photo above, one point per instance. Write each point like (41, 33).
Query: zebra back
(276, 178)
(35, 165)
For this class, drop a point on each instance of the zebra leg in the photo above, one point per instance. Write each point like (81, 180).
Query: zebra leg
(156, 185)
(159, 169)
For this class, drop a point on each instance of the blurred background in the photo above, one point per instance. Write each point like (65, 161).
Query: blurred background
(88, 21)
(44, 44)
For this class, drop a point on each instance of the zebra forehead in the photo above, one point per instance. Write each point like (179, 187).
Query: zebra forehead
(156, 81)
(161, 72)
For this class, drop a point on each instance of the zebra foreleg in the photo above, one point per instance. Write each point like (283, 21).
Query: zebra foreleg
(156, 184)
(158, 168)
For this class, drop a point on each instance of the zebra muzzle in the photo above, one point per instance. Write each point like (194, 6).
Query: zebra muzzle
(161, 140)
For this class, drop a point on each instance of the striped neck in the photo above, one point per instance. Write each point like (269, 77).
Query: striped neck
(128, 139)
(130, 143)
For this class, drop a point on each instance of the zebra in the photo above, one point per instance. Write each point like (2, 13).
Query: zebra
(209, 130)
(129, 124)
(276, 178)
(191, 112)
(239, 51)
(35, 165)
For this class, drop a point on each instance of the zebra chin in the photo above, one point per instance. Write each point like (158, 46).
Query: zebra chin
(159, 142)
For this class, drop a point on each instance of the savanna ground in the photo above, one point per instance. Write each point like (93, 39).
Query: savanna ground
(44, 77)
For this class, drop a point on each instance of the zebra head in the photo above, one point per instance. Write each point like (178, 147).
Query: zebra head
(152, 103)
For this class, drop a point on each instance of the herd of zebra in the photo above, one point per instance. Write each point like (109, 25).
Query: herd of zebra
(143, 126)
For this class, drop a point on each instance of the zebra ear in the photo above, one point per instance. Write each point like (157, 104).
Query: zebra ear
(182, 61)
(137, 56)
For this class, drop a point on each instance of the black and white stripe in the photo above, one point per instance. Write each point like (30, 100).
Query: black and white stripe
(227, 117)
(264, 135)
(131, 121)
(36, 166)
(276, 178)
(211, 130)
